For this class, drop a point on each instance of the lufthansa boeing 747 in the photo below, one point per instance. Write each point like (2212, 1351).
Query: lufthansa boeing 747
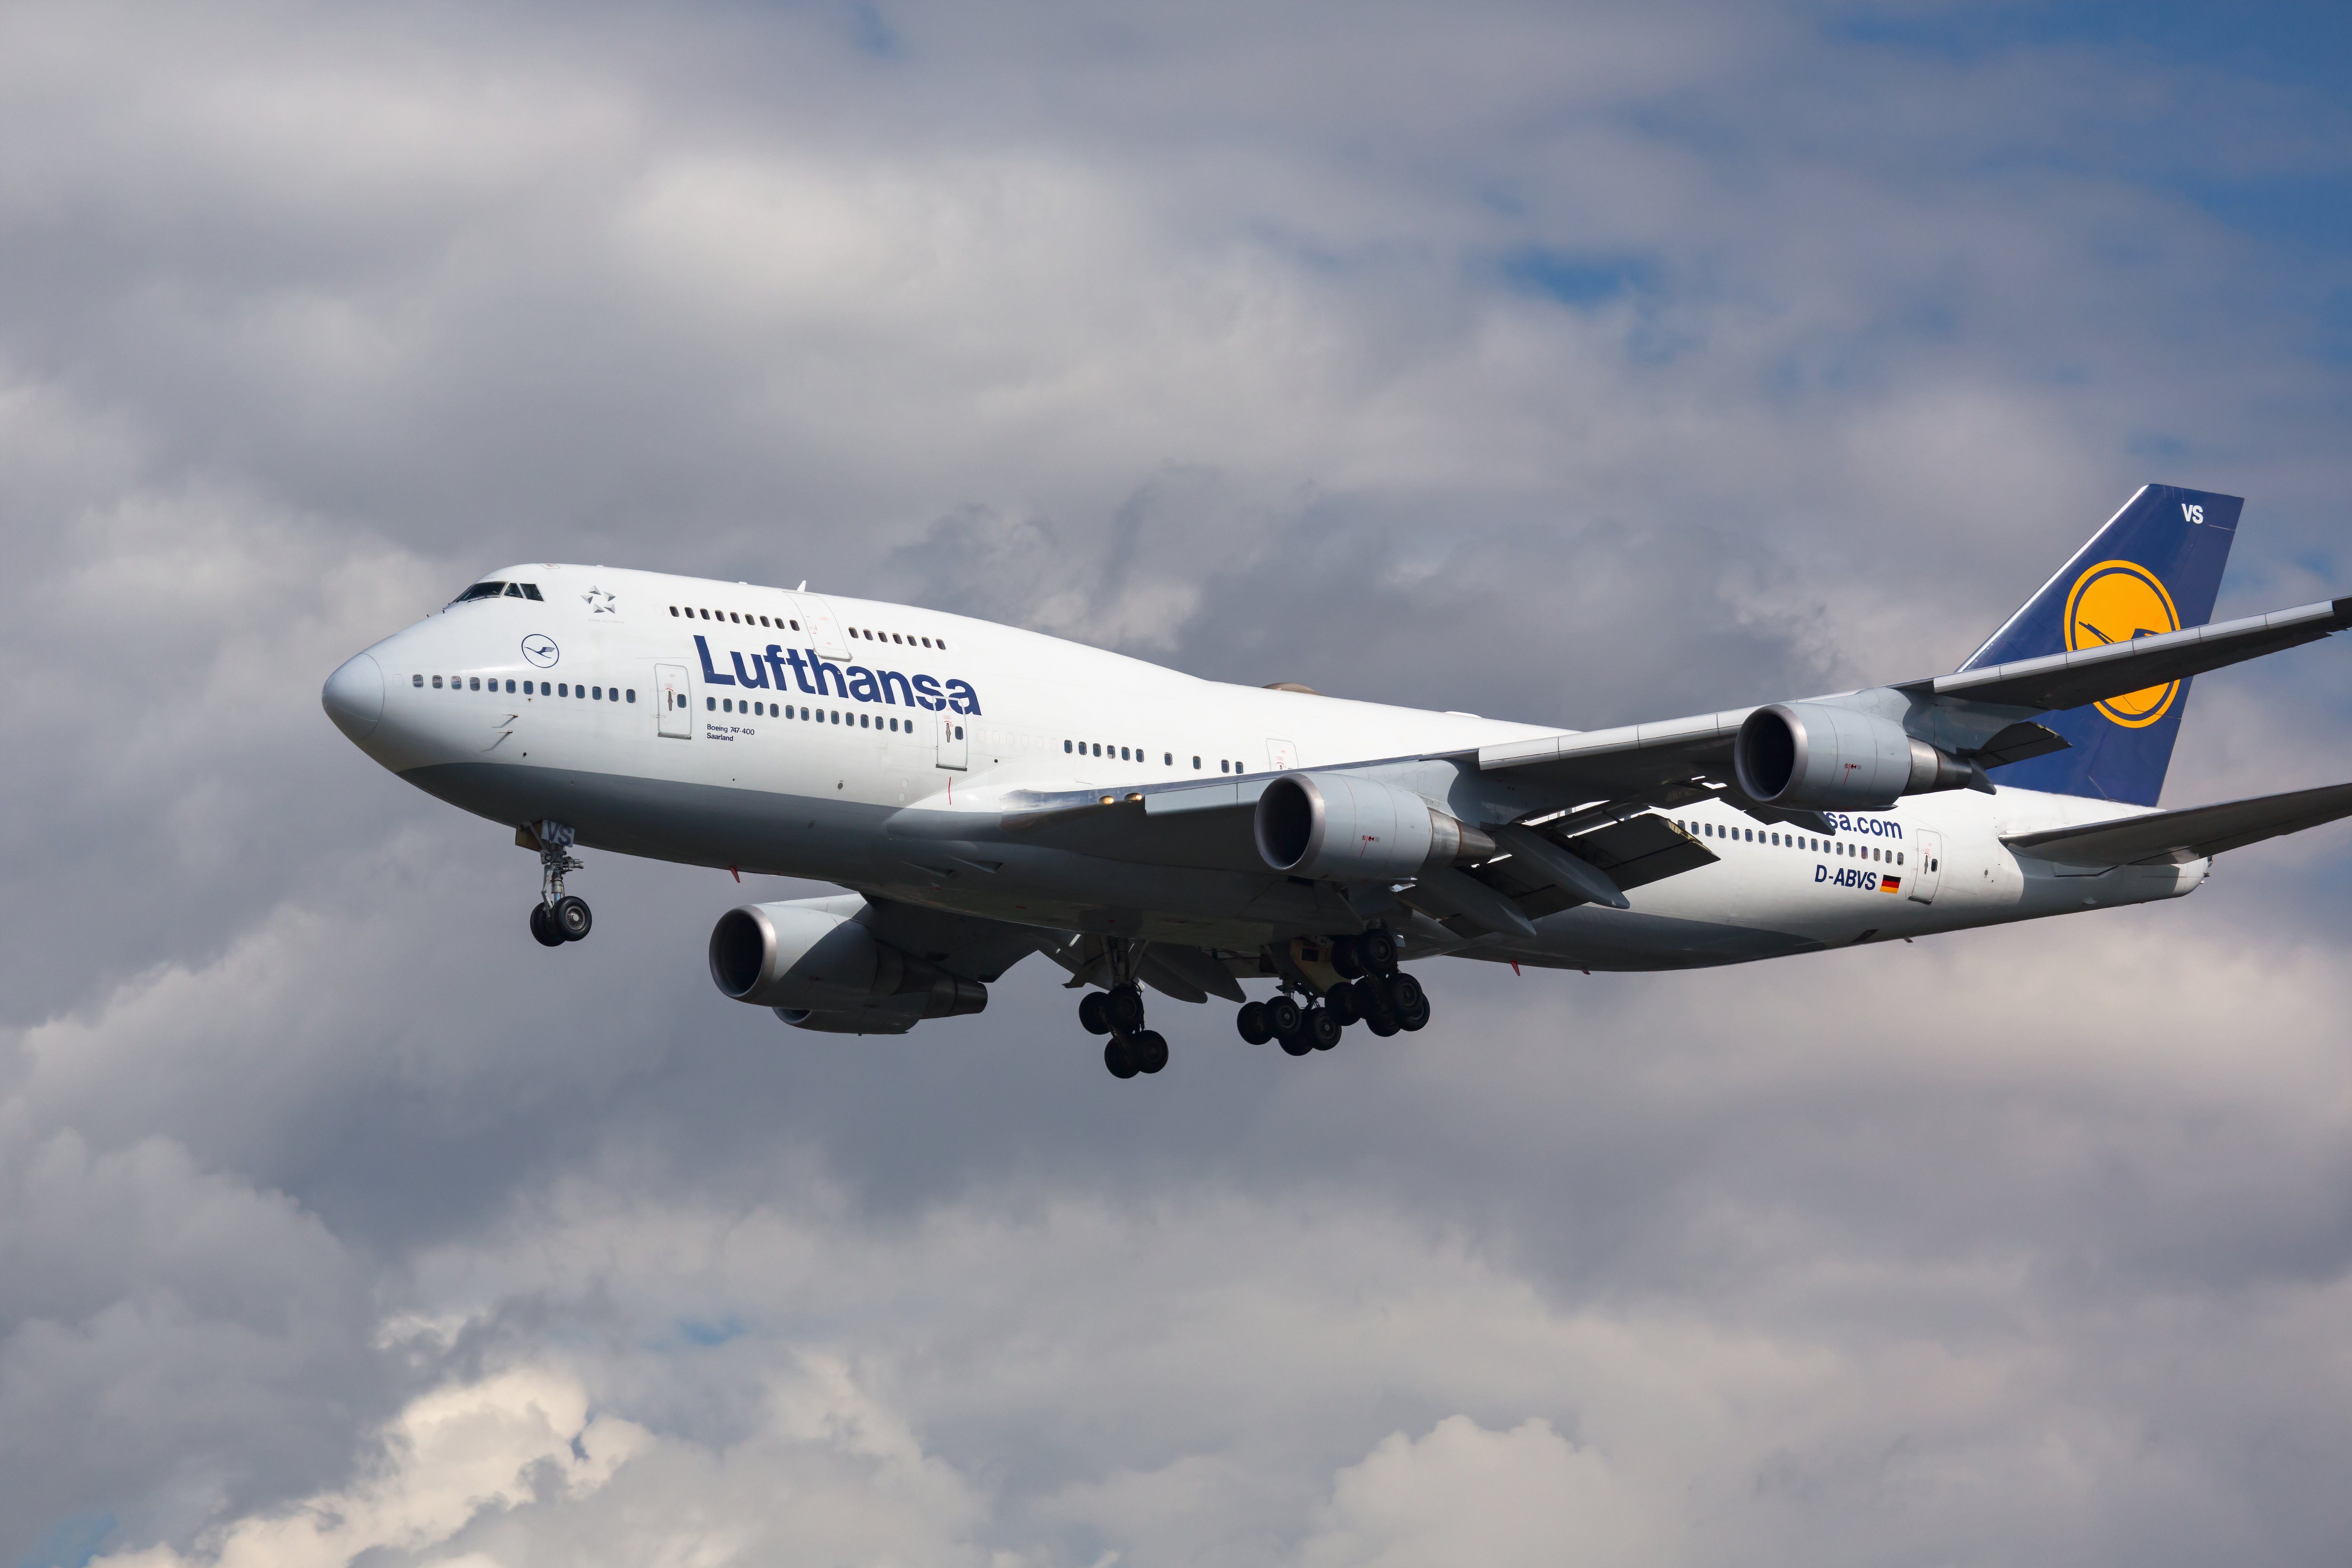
(985, 793)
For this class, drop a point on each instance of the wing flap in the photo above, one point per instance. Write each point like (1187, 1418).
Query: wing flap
(2173, 837)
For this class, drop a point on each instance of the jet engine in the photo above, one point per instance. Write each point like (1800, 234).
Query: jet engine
(796, 959)
(1358, 830)
(1818, 757)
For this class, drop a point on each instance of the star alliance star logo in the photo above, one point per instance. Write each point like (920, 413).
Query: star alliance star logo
(599, 602)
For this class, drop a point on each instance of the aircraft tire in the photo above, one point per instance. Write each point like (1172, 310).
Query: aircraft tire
(1415, 1016)
(1123, 1006)
(1322, 1030)
(1092, 1017)
(1377, 948)
(1383, 1024)
(1282, 1016)
(1345, 958)
(1119, 1056)
(546, 935)
(1252, 1023)
(569, 918)
(1298, 1045)
(1149, 1050)
(1343, 1002)
(1406, 995)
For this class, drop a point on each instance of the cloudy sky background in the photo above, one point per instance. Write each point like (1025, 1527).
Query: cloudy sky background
(1576, 365)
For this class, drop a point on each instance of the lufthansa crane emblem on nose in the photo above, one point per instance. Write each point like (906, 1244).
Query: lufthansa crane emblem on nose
(599, 602)
(540, 649)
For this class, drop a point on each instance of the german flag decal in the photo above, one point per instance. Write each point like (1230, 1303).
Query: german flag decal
(1890, 884)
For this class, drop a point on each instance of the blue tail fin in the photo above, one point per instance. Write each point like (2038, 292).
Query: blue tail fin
(2155, 567)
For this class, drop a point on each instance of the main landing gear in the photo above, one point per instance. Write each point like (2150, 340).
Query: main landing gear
(557, 917)
(1118, 1013)
(1372, 991)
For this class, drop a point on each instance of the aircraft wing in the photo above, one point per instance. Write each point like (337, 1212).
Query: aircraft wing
(2173, 837)
(1982, 716)
(2089, 675)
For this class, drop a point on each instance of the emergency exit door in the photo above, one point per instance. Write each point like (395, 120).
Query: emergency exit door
(1927, 867)
(955, 746)
(676, 701)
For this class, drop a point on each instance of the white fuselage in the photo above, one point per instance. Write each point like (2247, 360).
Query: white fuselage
(913, 714)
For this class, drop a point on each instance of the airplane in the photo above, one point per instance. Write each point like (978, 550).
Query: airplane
(983, 793)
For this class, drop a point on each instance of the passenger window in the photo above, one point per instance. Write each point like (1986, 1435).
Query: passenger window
(416, 680)
(796, 626)
(943, 642)
(1065, 747)
(633, 694)
(1168, 758)
(1196, 761)
(437, 683)
(600, 694)
(727, 705)
(673, 610)
(958, 732)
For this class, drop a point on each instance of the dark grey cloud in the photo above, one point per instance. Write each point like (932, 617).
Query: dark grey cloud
(1568, 366)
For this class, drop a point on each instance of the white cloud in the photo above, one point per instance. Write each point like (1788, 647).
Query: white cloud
(333, 1212)
(1464, 1494)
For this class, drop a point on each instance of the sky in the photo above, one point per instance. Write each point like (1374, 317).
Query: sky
(1574, 364)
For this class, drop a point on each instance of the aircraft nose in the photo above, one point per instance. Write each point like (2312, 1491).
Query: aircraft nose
(353, 697)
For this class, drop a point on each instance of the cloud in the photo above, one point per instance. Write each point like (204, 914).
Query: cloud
(1577, 365)
(1525, 1495)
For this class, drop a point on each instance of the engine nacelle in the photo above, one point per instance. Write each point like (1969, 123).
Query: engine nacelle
(1358, 830)
(1816, 757)
(794, 958)
(883, 1016)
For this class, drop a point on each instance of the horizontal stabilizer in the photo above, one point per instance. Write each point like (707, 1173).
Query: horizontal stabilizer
(2175, 837)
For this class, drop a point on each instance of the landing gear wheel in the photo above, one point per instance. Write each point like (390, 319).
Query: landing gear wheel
(1410, 1001)
(1322, 1030)
(1377, 948)
(1252, 1023)
(1119, 1056)
(1149, 1051)
(1343, 1002)
(1347, 957)
(571, 917)
(1282, 1016)
(1093, 1016)
(1298, 1045)
(547, 935)
(1123, 1006)
(1383, 1024)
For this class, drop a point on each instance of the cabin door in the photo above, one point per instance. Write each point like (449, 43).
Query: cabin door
(1927, 867)
(676, 701)
(955, 746)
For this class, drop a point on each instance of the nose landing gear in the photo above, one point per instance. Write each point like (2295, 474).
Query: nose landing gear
(557, 917)
(1118, 1013)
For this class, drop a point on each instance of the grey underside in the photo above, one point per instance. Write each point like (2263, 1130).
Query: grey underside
(892, 854)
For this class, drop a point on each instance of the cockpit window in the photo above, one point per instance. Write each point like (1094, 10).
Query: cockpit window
(493, 590)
